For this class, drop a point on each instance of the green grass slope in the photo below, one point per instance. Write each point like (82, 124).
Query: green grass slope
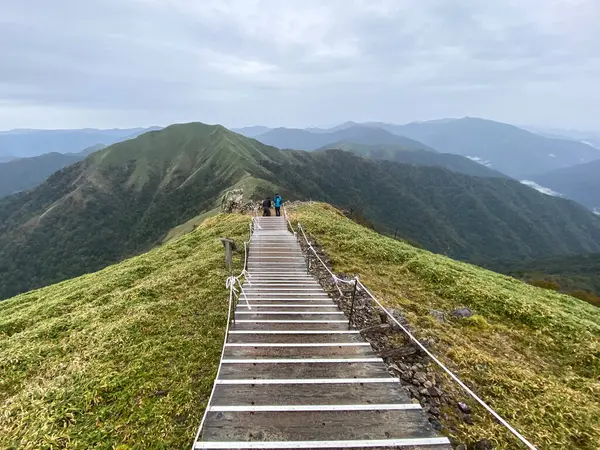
(533, 354)
(119, 359)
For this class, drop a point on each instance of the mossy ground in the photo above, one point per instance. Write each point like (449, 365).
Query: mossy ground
(122, 358)
(532, 354)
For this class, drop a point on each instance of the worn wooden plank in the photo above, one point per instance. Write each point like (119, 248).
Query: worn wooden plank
(290, 326)
(295, 338)
(298, 352)
(318, 425)
(309, 394)
(308, 370)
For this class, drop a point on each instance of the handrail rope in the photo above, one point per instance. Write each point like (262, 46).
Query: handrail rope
(230, 284)
(422, 347)
(287, 218)
(333, 276)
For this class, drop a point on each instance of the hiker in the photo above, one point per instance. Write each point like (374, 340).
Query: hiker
(278, 202)
(266, 207)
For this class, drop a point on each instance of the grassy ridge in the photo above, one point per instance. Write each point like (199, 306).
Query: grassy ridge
(533, 354)
(122, 358)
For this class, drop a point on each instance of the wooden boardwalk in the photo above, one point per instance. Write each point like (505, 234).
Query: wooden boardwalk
(294, 375)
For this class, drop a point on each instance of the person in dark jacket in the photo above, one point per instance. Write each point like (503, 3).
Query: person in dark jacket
(278, 201)
(267, 207)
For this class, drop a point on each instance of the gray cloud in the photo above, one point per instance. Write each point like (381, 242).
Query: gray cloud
(130, 62)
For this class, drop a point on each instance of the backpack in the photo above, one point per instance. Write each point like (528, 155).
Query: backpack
(278, 201)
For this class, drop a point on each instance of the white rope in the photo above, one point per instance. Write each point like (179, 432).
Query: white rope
(230, 284)
(243, 292)
(333, 276)
(422, 347)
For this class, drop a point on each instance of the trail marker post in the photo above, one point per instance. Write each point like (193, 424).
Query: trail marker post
(230, 247)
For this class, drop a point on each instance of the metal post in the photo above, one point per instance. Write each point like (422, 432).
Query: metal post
(352, 304)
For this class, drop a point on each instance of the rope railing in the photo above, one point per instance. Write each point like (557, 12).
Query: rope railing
(230, 283)
(359, 285)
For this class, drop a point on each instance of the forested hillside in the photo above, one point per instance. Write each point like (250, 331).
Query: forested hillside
(26, 173)
(577, 275)
(123, 200)
(418, 157)
(580, 183)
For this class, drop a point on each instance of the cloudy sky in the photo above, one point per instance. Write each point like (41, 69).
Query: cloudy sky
(120, 63)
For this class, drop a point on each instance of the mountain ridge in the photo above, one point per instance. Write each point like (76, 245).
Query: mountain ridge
(297, 139)
(125, 199)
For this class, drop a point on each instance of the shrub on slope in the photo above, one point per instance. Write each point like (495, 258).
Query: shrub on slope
(121, 358)
(533, 354)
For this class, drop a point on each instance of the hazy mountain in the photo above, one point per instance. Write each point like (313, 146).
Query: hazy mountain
(580, 183)
(124, 199)
(455, 163)
(26, 173)
(509, 149)
(297, 139)
(27, 143)
(251, 131)
(588, 137)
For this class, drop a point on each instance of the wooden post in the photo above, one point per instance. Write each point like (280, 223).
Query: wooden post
(230, 247)
(352, 304)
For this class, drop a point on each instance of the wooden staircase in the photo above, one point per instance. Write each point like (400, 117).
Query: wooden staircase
(294, 375)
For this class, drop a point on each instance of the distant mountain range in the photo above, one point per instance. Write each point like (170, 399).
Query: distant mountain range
(26, 143)
(26, 173)
(587, 137)
(502, 147)
(291, 138)
(124, 199)
(580, 183)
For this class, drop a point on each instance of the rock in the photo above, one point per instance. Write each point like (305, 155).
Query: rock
(435, 411)
(420, 377)
(468, 418)
(427, 384)
(461, 313)
(440, 316)
(484, 444)
(436, 424)
(464, 407)
(423, 392)
(414, 391)
(233, 201)
(434, 392)
(399, 352)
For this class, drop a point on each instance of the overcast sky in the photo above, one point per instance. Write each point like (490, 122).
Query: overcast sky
(121, 63)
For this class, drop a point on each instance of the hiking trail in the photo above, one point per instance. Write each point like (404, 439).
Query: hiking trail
(295, 375)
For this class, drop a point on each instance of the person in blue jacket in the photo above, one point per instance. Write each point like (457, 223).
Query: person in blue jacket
(278, 201)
